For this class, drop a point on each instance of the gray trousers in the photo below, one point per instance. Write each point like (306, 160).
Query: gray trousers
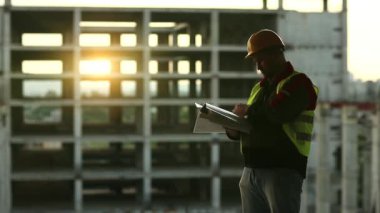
(274, 190)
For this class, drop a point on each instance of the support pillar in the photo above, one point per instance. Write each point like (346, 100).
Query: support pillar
(280, 5)
(147, 130)
(216, 179)
(5, 110)
(323, 170)
(375, 186)
(215, 149)
(77, 118)
(325, 5)
(304, 196)
(265, 4)
(350, 166)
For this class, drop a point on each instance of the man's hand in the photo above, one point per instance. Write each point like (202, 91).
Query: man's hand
(240, 110)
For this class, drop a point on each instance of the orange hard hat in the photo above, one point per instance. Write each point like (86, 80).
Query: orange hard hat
(263, 39)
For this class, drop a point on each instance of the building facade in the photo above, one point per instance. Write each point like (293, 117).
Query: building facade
(98, 103)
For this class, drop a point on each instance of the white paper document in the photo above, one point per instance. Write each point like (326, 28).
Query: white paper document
(211, 118)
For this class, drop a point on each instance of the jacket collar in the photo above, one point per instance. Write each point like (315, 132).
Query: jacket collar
(280, 76)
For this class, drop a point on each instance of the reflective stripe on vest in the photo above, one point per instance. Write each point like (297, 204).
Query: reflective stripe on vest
(253, 94)
(299, 130)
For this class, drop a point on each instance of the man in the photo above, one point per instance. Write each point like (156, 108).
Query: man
(281, 111)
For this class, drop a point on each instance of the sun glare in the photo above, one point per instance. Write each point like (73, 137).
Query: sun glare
(95, 67)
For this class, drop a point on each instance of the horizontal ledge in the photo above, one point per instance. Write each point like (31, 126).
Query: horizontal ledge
(122, 138)
(43, 175)
(175, 101)
(117, 174)
(143, 9)
(140, 76)
(41, 76)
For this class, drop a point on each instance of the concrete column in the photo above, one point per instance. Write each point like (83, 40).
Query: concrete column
(147, 170)
(265, 4)
(367, 180)
(365, 137)
(375, 186)
(192, 81)
(216, 182)
(323, 189)
(214, 56)
(5, 176)
(77, 117)
(304, 197)
(325, 5)
(344, 5)
(350, 166)
(174, 41)
(215, 150)
(280, 5)
(5, 119)
(345, 76)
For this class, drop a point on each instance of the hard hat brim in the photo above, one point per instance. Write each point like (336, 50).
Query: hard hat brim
(252, 54)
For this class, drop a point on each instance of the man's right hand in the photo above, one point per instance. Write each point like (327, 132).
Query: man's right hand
(240, 110)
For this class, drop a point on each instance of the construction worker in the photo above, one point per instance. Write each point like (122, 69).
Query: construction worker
(280, 109)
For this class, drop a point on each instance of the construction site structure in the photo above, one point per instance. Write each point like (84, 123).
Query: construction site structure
(97, 107)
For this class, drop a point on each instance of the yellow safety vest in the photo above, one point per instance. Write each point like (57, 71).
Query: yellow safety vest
(299, 130)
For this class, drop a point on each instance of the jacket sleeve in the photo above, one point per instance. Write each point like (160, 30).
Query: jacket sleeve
(296, 96)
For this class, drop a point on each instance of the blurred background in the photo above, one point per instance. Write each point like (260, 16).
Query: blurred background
(97, 102)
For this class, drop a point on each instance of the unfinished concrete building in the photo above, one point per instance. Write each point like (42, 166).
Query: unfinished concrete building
(98, 103)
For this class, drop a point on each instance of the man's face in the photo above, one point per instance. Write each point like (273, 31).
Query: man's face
(266, 61)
